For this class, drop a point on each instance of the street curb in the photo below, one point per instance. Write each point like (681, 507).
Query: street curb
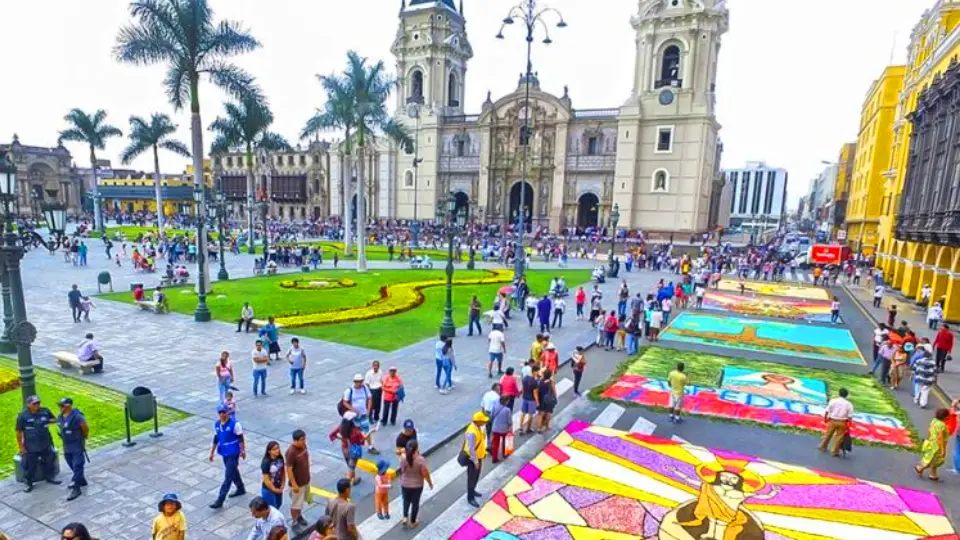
(938, 391)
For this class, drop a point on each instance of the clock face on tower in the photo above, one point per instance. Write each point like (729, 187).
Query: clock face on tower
(666, 97)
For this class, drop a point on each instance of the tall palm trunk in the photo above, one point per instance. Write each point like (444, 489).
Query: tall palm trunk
(361, 211)
(156, 189)
(251, 247)
(196, 140)
(345, 164)
(97, 217)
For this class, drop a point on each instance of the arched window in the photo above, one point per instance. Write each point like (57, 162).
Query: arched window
(661, 181)
(408, 179)
(453, 98)
(670, 67)
(416, 87)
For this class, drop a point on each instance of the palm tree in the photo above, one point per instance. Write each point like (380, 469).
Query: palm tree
(245, 125)
(153, 135)
(357, 101)
(338, 113)
(92, 130)
(183, 35)
(370, 87)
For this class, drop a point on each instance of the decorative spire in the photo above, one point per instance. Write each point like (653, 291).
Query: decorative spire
(461, 8)
(403, 6)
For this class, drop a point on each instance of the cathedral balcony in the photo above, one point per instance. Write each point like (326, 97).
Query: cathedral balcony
(663, 83)
(461, 119)
(469, 164)
(578, 163)
(596, 113)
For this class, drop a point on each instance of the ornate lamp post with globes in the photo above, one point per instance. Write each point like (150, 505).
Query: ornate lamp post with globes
(17, 329)
(531, 15)
(202, 313)
(614, 219)
(219, 213)
(452, 221)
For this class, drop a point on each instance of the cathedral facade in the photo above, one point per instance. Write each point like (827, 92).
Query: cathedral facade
(655, 157)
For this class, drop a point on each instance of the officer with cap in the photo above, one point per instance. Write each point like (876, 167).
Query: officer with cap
(73, 432)
(35, 442)
(228, 442)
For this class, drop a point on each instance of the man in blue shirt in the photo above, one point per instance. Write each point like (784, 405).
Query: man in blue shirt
(73, 432)
(229, 443)
(438, 357)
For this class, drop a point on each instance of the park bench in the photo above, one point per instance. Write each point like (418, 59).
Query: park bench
(67, 359)
(417, 262)
(155, 307)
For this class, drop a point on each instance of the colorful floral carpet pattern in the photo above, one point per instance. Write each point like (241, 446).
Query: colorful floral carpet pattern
(770, 288)
(593, 483)
(796, 309)
(829, 344)
(393, 299)
(774, 384)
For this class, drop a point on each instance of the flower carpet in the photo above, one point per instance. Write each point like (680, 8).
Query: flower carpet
(771, 395)
(593, 483)
(798, 309)
(770, 288)
(825, 343)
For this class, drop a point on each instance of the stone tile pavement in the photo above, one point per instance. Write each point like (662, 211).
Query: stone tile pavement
(174, 357)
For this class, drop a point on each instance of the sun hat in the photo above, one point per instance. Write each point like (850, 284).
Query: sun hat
(169, 497)
(358, 378)
(550, 346)
(480, 417)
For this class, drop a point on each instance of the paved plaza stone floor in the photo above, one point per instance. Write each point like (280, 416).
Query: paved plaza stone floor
(174, 357)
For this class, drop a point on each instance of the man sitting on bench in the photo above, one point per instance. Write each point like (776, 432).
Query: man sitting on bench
(88, 351)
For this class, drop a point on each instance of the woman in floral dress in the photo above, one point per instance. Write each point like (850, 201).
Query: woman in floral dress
(934, 450)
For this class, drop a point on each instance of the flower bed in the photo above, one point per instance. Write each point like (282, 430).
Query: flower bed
(9, 381)
(318, 284)
(393, 300)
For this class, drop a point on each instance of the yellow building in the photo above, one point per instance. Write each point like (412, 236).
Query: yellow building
(908, 265)
(841, 189)
(874, 148)
(136, 192)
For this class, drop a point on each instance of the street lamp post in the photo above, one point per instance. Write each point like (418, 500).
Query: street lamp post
(530, 15)
(614, 219)
(471, 223)
(262, 205)
(413, 111)
(221, 217)
(17, 329)
(202, 313)
(447, 215)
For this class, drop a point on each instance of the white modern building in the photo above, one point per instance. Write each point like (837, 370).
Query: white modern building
(757, 195)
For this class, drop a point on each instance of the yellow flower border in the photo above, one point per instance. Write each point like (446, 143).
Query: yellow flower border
(305, 284)
(393, 300)
(8, 382)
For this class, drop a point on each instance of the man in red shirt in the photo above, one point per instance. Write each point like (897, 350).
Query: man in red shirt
(943, 345)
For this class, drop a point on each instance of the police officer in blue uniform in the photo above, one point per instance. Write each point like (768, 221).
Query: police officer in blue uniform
(228, 442)
(35, 442)
(74, 432)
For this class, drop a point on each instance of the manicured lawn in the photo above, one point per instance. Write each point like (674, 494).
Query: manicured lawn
(385, 333)
(102, 407)
(705, 370)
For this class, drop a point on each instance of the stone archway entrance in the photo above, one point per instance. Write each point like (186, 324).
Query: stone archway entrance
(515, 205)
(588, 211)
(462, 203)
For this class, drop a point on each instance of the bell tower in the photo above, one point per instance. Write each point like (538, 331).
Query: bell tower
(432, 53)
(668, 133)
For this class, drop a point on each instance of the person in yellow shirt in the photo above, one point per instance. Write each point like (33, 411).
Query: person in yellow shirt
(170, 523)
(536, 348)
(677, 380)
(472, 454)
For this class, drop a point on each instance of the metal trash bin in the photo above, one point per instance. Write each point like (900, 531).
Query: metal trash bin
(38, 477)
(141, 406)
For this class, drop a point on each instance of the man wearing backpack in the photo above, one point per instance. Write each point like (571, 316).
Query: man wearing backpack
(358, 398)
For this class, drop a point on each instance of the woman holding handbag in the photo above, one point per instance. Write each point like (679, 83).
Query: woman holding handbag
(502, 426)
(392, 396)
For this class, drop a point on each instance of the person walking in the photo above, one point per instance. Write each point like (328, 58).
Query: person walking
(341, 511)
(297, 358)
(438, 358)
(547, 393)
(273, 474)
(837, 417)
(677, 380)
(413, 474)
(543, 313)
(488, 403)
(934, 315)
(579, 364)
(497, 350)
(610, 326)
(270, 333)
(878, 290)
(246, 317)
(261, 359)
(924, 377)
(225, 375)
(933, 453)
(74, 432)
(835, 310)
(472, 454)
(297, 464)
(580, 298)
(559, 307)
(892, 315)
(73, 298)
(474, 317)
(373, 380)
(449, 364)
(35, 443)
(501, 422)
(228, 441)
(530, 303)
(266, 518)
(943, 346)
(392, 396)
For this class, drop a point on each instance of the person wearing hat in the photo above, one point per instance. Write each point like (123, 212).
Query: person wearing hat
(170, 523)
(408, 434)
(392, 388)
(74, 431)
(35, 443)
(229, 443)
(472, 454)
